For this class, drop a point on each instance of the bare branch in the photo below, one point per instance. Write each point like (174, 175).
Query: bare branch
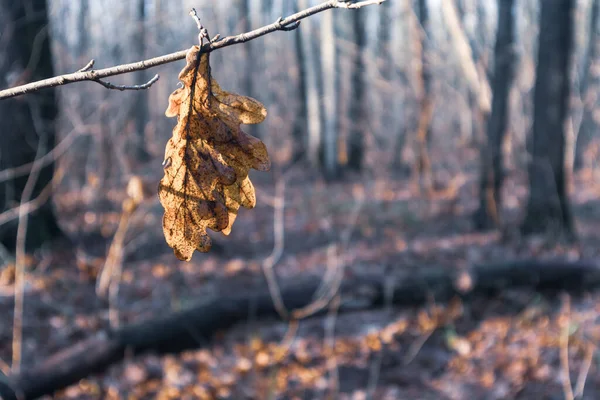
(285, 24)
(88, 66)
(203, 32)
(360, 4)
(146, 85)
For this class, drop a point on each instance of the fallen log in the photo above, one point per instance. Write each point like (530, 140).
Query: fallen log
(195, 326)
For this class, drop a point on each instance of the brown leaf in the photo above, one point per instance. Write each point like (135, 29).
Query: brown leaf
(208, 158)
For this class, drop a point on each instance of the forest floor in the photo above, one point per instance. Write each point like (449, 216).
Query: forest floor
(515, 344)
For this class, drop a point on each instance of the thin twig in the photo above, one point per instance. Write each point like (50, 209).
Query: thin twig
(143, 86)
(203, 32)
(4, 368)
(590, 349)
(32, 205)
(95, 75)
(88, 66)
(360, 4)
(27, 207)
(564, 348)
(375, 369)
(51, 156)
(332, 364)
(416, 346)
(335, 269)
(279, 234)
(19, 290)
(286, 343)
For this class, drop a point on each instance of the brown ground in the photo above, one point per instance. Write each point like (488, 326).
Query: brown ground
(503, 347)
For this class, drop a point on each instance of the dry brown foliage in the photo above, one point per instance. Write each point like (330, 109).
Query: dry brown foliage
(208, 158)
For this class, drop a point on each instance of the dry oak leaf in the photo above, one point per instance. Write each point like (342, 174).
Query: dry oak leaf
(208, 158)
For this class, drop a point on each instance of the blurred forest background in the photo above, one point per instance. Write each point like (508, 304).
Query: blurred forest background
(452, 142)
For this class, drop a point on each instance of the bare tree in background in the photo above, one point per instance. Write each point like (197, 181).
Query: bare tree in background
(140, 105)
(407, 47)
(358, 111)
(589, 88)
(306, 58)
(330, 99)
(243, 7)
(385, 60)
(475, 79)
(27, 123)
(466, 11)
(490, 183)
(548, 207)
(300, 130)
(423, 165)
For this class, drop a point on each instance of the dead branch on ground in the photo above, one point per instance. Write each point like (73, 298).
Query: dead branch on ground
(194, 327)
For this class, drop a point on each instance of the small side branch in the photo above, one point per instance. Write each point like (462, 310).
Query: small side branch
(86, 74)
(88, 66)
(143, 86)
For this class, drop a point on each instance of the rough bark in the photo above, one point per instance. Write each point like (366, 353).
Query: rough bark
(195, 327)
(490, 184)
(548, 207)
(29, 122)
(589, 88)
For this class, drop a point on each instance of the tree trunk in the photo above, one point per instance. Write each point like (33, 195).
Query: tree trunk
(28, 121)
(548, 207)
(477, 83)
(301, 116)
(328, 59)
(385, 101)
(247, 86)
(589, 88)
(140, 105)
(423, 166)
(358, 115)
(309, 67)
(490, 183)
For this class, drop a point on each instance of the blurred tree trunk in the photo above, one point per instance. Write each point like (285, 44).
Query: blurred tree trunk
(477, 82)
(27, 121)
(330, 91)
(301, 117)
(384, 37)
(384, 99)
(589, 88)
(244, 11)
(548, 207)
(464, 9)
(422, 169)
(358, 114)
(306, 55)
(247, 86)
(411, 33)
(140, 105)
(490, 183)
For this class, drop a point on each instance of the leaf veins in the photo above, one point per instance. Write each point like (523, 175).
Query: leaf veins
(207, 159)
